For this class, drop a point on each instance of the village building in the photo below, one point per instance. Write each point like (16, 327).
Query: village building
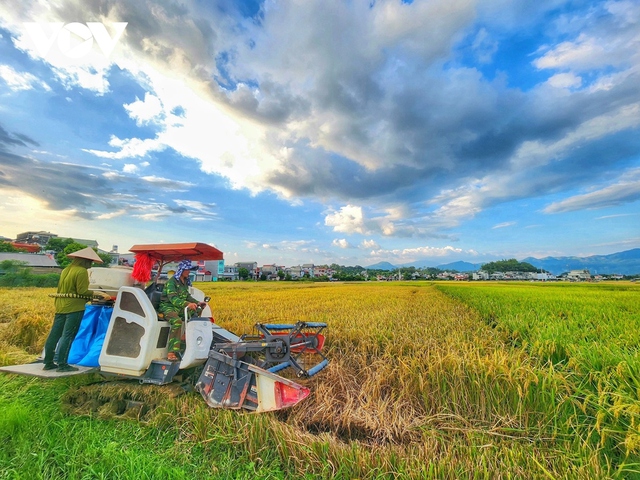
(579, 275)
(38, 263)
(230, 273)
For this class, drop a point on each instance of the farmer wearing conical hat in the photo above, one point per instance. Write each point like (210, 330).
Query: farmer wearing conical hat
(73, 293)
(175, 298)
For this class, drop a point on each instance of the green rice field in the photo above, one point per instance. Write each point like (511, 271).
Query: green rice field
(426, 380)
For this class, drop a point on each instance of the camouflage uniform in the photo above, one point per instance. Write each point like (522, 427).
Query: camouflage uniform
(175, 298)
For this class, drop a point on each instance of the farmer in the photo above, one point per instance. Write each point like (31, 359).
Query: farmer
(73, 294)
(175, 298)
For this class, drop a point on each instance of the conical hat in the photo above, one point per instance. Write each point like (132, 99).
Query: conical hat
(87, 253)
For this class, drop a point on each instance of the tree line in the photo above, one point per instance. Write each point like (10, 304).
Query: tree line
(511, 265)
(15, 273)
(60, 247)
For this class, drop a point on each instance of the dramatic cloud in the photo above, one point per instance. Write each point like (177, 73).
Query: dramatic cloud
(91, 192)
(388, 120)
(382, 117)
(626, 189)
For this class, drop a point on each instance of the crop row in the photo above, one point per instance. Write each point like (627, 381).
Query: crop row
(421, 384)
(589, 334)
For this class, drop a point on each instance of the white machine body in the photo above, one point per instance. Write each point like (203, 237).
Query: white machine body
(136, 336)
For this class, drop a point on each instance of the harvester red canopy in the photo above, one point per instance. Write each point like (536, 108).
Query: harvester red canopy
(147, 255)
(173, 252)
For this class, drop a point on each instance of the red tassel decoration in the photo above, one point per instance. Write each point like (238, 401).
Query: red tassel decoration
(142, 267)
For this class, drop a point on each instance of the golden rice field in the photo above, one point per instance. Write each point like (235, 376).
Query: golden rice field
(446, 380)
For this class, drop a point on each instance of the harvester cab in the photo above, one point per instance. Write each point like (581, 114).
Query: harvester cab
(230, 371)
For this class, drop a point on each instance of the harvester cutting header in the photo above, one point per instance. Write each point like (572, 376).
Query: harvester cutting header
(129, 336)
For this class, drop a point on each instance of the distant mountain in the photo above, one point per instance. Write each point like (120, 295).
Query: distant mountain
(420, 264)
(382, 266)
(461, 266)
(623, 263)
(458, 266)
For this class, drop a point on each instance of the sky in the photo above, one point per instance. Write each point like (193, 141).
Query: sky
(324, 131)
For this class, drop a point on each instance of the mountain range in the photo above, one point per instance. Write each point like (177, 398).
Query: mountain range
(622, 263)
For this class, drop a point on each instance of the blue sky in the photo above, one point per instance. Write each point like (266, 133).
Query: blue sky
(349, 132)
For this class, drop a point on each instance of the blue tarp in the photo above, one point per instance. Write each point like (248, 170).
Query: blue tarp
(87, 345)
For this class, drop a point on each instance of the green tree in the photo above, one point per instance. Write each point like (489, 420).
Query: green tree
(60, 246)
(63, 259)
(12, 266)
(106, 260)
(511, 265)
(243, 273)
(17, 274)
(57, 245)
(6, 247)
(280, 275)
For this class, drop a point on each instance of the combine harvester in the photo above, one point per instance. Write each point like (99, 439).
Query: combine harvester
(235, 372)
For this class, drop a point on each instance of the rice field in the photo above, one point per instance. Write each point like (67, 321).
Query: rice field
(444, 380)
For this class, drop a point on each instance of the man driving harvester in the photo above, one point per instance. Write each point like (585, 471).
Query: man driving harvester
(175, 298)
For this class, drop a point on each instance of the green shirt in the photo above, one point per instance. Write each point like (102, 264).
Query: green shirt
(74, 280)
(175, 297)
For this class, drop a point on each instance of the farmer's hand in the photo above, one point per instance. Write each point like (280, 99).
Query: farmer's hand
(105, 297)
(192, 306)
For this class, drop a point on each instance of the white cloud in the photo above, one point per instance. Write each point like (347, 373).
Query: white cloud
(133, 168)
(406, 255)
(145, 111)
(88, 77)
(152, 217)
(467, 200)
(369, 245)
(536, 152)
(611, 40)
(565, 80)
(352, 219)
(206, 209)
(584, 53)
(167, 183)
(625, 190)
(463, 202)
(503, 225)
(17, 81)
(110, 215)
(349, 219)
(341, 243)
(196, 205)
(223, 143)
(129, 148)
(606, 217)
